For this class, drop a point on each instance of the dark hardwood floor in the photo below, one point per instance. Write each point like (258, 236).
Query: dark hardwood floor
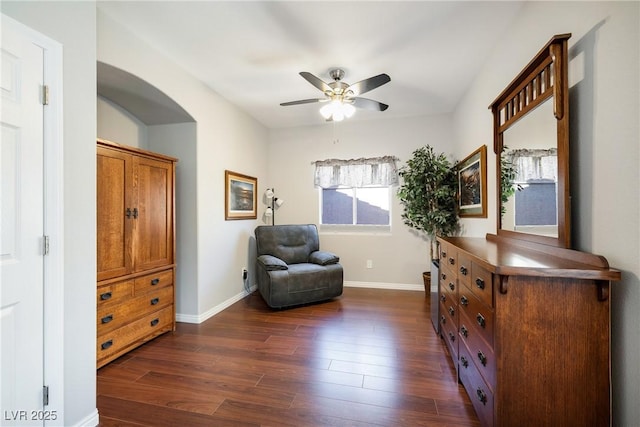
(368, 358)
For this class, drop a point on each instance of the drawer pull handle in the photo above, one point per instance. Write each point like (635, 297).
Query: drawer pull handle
(154, 322)
(106, 345)
(128, 213)
(452, 312)
(105, 296)
(464, 361)
(452, 286)
(107, 319)
(155, 301)
(444, 254)
(443, 320)
(452, 337)
(135, 212)
(480, 283)
(452, 260)
(464, 331)
(444, 276)
(155, 281)
(482, 358)
(443, 298)
(464, 300)
(482, 396)
(481, 321)
(463, 270)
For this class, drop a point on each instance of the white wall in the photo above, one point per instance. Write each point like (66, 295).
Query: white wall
(118, 125)
(604, 106)
(73, 25)
(398, 257)
(179, 140)
(227, 138)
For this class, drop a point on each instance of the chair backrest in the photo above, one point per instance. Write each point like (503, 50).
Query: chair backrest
(290, 243)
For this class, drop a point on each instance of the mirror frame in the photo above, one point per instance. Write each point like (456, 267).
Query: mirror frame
(546, 76)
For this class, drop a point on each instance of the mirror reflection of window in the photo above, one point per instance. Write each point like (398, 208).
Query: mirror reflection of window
(535, 184)
(530, 170)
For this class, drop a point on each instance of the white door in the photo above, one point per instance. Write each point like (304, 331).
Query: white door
(21, 233)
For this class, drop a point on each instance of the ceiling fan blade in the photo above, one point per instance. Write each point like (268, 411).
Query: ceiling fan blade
(369, 104)
(316, 81)
(303, 101)
(369, 84)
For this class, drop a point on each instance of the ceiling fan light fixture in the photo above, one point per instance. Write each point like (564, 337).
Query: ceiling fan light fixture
(337, 110)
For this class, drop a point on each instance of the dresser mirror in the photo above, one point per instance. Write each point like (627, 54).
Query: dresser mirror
(531, 142)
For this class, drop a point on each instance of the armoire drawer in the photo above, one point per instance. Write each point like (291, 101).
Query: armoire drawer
(147, 327)
(153, 281)
(479, 393)
(113, 316)
(479, 315)
(114, 293)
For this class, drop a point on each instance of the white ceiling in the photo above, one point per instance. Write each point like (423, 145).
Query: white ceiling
(251, 52)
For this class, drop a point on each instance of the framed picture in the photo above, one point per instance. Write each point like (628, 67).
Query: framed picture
(240, 196)
(472, 184)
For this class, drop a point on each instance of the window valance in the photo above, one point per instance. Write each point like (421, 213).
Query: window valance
(376, 171)
(534, 164)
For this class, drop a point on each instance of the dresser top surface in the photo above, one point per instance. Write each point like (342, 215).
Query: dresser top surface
(512, 257)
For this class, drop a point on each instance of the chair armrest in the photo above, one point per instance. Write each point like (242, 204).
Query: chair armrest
(323, 258)
(271, 263)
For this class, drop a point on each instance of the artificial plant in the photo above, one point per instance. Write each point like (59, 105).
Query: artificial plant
(428, 194)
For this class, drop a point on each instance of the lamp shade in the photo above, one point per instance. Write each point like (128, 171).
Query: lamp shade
(279, 202)
(269, 193)
(268, 211)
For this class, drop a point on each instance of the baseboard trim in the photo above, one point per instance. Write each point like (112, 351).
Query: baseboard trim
(192, 318)
(382, 285)
(91, 420)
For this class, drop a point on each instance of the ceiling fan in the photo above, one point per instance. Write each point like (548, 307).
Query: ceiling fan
(342, 97)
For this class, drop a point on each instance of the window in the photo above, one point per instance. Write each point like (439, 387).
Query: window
(355, 206)
(356, 192)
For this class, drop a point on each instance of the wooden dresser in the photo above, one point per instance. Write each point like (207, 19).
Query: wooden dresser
(136, 248)
(528, 327)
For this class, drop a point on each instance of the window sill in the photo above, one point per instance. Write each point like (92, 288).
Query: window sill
(378, 230)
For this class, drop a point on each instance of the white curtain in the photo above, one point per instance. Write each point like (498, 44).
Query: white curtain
(534, 164)
(377, 171)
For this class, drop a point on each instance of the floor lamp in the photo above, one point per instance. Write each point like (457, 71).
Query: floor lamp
(274, 203)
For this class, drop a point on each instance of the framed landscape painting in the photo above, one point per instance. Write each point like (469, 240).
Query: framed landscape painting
(472, 184)
(240, 196)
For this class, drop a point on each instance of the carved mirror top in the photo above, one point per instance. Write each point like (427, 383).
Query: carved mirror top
(533, 157)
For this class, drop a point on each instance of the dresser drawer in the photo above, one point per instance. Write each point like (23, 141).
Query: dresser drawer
(449, 335)
(479, 315)
(482, 283)
(113, 316)
(480, 395)
(448, 283)
(479, 351)
(134, 333)
(448, 256)
(153, 281)
(464, 269)
(114, 293)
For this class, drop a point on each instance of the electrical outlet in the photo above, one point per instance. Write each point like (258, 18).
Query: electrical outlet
(369, 263)
(244, 274)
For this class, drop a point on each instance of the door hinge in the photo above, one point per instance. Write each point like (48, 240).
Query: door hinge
(46, 245)
(45, 95)
(45, 395)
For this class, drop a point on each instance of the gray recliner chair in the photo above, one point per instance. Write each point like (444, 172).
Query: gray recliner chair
(291, 269)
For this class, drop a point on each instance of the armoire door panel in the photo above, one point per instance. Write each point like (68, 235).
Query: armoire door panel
(114, 227)
(154, 222)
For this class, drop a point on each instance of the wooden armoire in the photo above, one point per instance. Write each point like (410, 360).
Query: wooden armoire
(135, 248)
